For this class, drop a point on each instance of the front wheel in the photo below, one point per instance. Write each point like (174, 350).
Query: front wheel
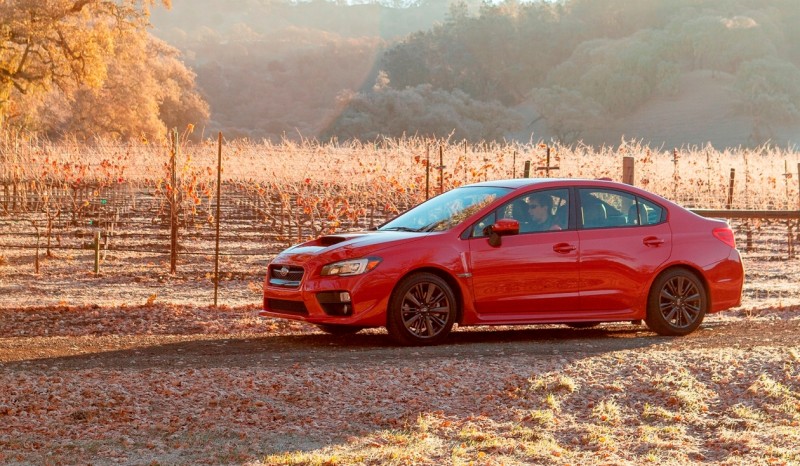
(422, 310)
(677, 303)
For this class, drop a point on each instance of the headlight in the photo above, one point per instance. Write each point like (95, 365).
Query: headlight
(351, 267)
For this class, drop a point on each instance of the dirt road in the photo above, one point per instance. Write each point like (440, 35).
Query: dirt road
(184, 385)
(298, 344)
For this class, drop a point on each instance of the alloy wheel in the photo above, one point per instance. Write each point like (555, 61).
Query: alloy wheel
(425, 309)
(680, 302)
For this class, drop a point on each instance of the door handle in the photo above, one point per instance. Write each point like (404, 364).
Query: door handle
(653, 241)
(564, 248)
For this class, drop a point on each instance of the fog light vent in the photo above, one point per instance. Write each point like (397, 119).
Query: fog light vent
(335, 303)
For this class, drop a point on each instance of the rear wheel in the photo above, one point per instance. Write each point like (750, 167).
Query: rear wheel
(422, 310)
(334, 329)
(677, 303)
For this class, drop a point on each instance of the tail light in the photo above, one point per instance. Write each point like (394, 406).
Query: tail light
(725, 235)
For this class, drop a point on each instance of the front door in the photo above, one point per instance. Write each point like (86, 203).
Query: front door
(530, 275)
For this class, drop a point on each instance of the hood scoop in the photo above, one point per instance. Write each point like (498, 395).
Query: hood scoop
(330, 240)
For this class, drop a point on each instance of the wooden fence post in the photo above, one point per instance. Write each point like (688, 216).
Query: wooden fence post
(627, 170)
(527, 172)
(730, 189)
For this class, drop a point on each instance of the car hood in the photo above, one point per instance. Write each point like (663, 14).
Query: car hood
(347, 245)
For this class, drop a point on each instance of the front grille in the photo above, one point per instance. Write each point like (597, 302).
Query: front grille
(287, 307)
(285, 276)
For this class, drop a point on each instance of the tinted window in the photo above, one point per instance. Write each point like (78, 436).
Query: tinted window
(606, 208)
(546, 210)
(603, 209)
(649, 212)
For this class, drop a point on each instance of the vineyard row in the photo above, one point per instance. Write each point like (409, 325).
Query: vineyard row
(55, 195)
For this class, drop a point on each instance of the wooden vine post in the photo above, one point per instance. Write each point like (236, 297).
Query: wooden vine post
(786, 175)
(441, 169)
(96, 252)
(466, 164)
(514, 165)
(547, 166)
(627, 170)
(173, 206)
(36, 258)
(675, 174)
(427, 172)
(730, 189)
(219, 191)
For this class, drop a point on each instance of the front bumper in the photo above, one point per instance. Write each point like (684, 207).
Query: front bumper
(322, 300)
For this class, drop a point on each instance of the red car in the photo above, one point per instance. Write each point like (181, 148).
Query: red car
(521, 251)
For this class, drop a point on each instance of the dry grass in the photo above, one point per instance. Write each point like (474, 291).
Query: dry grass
(644, 407)
(166, 384)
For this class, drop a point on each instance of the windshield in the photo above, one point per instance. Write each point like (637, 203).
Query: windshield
(446, 210)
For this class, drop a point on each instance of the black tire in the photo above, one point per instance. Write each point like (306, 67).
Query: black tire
(677, 304)
(334, 329)
(422, 310)
(582, 324)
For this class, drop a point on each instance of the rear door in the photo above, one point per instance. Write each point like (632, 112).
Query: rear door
(623, 240)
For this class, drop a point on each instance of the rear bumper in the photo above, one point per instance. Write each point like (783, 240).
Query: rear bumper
(726, 281)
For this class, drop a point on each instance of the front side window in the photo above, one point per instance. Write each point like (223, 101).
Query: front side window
(546, 210)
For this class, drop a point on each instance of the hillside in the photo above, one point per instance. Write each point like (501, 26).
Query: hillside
(701, 112)
(666, 74)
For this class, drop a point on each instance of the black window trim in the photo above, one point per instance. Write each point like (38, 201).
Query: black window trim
(637, 197)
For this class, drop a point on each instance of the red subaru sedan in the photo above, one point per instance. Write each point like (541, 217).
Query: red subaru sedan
(521, 251)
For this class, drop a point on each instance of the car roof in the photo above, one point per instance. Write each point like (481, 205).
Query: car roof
(515, 183)
(521, 183)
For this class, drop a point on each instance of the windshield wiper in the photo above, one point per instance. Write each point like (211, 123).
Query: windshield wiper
(415, 230)
(433, 226)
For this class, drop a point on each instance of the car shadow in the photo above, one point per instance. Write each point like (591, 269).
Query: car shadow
(367, 347)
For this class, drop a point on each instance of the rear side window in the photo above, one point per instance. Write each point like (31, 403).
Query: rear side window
(649, 212)
(602, 208)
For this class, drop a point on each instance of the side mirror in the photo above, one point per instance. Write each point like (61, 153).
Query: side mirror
(503, 227)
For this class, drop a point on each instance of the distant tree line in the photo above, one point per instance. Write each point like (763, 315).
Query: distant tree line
(271, 69)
